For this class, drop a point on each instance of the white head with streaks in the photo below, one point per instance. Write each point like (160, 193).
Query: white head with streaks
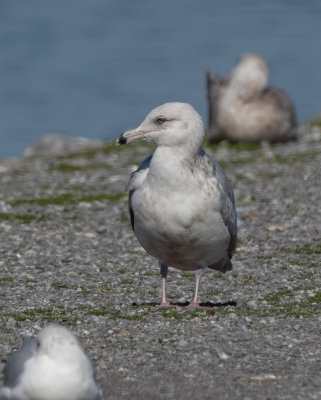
(171, 125)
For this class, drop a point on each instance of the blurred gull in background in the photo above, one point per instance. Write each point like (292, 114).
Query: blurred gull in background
(244, 108)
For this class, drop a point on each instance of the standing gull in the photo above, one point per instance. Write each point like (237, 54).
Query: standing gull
(181, 204)
(51, 366)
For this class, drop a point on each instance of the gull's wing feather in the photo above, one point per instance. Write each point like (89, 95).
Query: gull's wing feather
(15, 365)
(136, 179)
(228, 210)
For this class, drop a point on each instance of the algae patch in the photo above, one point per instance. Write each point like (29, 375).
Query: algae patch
(6, 279)
(69, 199)
(24, 218)
(56, 314)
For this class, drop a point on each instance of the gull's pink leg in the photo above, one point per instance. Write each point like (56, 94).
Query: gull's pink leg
(164, 303)
(195, 303)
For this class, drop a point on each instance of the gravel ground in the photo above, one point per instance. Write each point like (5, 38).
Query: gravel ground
(67, 254)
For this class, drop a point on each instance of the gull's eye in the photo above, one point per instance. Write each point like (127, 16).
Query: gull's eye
(160, 120)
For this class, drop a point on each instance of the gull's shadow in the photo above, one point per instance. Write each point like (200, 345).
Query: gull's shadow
(207, 304)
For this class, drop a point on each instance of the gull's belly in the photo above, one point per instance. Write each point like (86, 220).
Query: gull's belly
(180, 230)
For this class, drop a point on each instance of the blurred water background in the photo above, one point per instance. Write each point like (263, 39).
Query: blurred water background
(95, 68)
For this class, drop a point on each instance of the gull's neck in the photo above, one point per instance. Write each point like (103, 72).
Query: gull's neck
(171, 166)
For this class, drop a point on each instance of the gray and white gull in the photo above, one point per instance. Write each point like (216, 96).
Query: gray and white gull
(243, 107)
(51, 366)
(181, 204)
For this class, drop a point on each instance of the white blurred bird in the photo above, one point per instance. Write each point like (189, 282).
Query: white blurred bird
(180, 201)
(244, 108)
(51, 366)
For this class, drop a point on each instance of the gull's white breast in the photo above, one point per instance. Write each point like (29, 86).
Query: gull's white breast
(182, 228)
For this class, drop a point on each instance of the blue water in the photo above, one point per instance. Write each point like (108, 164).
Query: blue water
(95, 68)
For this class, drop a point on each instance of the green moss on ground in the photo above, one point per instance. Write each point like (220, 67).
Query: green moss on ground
(180, 314)
(6, 279)
(113, 314)
(211, 293)
(237, 146)
(58, 314)
(24, 218)
(106, 148)
(188, 275)
(295, 157)
(60, 286)
(170, 313)
(307, 249)
(248, 279)
(127, 282)
(315, 122)
(66, 168)
(69, 198)
(276, 297)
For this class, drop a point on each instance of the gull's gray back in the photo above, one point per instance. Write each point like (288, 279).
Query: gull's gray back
(228, 205)
(134, 180)
(15, 365)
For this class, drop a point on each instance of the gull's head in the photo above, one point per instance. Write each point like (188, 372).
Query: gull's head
(54, 339)
(171, 124)
(249, 76)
